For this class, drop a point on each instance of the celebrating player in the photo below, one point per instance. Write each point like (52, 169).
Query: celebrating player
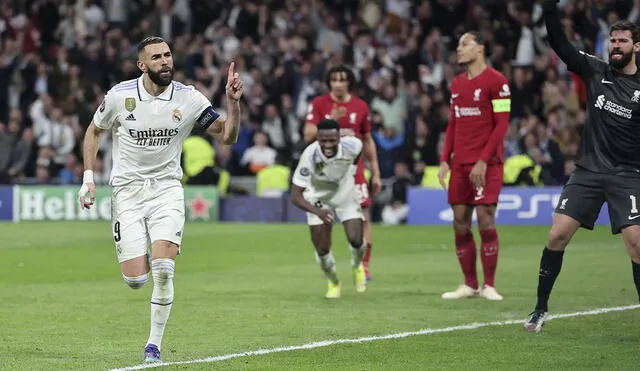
(323, 184)
(149, 118)
(352, 114)
(480, 110)
(609, 166)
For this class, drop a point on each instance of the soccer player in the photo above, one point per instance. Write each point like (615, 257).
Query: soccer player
(149, 118)
(352, 113)
(480, 109)
(608, 169)
(324, 185)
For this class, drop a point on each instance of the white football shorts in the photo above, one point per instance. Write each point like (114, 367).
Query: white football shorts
(345, 208)
(142, 213)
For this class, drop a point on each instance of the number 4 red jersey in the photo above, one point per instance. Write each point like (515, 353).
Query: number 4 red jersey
(479, 118)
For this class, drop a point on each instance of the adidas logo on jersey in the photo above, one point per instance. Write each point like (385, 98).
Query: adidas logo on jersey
(131, 117)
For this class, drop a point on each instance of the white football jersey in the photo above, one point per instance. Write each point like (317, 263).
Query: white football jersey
(328, 179)
(148, 131)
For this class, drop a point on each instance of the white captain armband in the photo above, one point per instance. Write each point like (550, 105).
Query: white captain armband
(207, 118)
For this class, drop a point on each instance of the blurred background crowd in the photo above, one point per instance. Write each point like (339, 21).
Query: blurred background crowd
(58, 57)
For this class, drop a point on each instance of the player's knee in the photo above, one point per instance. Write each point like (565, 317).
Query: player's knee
(632, 241)
(162, 270)
(322, 250)
(461, 226)
(355, 241)
(558, 239)
(486, 217)
(486, 224)
(136, 282)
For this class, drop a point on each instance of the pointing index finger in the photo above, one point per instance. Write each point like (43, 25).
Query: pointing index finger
(231, 70)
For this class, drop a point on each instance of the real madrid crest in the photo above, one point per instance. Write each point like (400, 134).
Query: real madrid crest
(177, 116)
(130, 104)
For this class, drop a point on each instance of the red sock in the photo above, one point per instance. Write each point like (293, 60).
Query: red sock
(489, 255)
(466, 251)
(367, 255)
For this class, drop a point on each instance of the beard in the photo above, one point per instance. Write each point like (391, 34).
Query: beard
(621, 63)
(159, 79)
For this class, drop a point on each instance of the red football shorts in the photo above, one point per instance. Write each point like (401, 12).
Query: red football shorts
(462, 192)
(362, 187)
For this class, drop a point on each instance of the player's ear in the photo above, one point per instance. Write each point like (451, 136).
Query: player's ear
(636, 47)
(141, 66)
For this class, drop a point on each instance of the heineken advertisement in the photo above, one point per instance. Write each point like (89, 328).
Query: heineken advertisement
(61, 203)
(201, 204)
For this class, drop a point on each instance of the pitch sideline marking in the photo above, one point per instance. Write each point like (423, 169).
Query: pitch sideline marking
(400, 335)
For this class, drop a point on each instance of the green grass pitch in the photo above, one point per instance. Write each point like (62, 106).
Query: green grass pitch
(240, 288)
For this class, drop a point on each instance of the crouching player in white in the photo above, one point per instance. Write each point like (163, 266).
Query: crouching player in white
(149, 118)
(323, 184)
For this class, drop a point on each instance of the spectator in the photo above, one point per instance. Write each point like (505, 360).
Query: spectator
(397, 210)
(57, 58)
(260, 155)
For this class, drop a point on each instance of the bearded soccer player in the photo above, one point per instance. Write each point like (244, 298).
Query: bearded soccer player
(149, 118)
(479, 119)
(352, 113)
(608, 168)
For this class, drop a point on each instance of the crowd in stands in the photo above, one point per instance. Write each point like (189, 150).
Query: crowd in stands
(59, 57)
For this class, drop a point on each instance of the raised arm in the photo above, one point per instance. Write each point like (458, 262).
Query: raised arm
(234, 90)
(575, 60)
(227, 128)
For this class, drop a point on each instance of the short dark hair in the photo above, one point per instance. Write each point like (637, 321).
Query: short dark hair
(328, 124)
(480, 40)
(626, 25)
(351, 77)
(148, 41)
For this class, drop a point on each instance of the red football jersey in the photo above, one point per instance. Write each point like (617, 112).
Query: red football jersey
(353, 115)
(479, 119)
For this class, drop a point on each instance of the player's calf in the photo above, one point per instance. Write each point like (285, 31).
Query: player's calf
(357, 244)
(357, 254)
(136, 282)
(328, 265)
(631, 236)
(635, 269)
(161, 298)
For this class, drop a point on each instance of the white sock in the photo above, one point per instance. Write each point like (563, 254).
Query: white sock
(161, 298)
(328, 265)
(357, 253)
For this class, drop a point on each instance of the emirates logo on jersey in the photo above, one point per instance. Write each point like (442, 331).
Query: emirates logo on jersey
(153, 137)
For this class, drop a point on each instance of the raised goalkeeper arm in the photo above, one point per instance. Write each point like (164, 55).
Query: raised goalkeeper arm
(575, 60)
